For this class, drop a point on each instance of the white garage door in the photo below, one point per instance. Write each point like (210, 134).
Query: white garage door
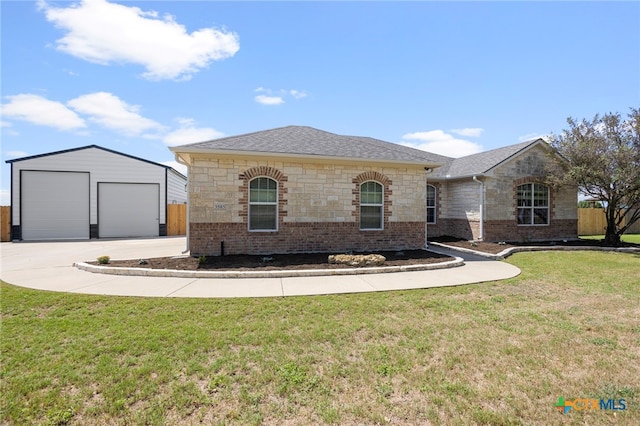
(54, 205)
(128, 210)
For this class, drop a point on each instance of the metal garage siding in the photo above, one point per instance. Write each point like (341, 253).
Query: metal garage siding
(103, 165)
(176, 187)
(55, 205)
(128, 209)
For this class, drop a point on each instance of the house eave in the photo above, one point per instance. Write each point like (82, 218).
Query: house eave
(457, 177)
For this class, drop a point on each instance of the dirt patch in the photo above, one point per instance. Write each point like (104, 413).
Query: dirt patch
(495, 248)
(274, 262)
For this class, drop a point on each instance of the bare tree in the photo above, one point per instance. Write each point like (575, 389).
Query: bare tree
(602, 157)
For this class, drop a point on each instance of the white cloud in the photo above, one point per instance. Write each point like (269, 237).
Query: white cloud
(41, 111)
(179, 167)
(5, 197)
(439, 142)
(469, 131)
(269, 100)
(16, 154)
(113, 113)
(105, 33)
(189, 133)
(298, 94)
(5, 124)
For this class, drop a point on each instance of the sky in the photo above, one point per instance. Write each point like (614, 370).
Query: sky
(454, 78)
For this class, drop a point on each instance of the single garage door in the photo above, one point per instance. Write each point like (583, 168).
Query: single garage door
(54, 205)
(128, 210)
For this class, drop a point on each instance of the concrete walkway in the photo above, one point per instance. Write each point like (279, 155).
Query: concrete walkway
(49, 266)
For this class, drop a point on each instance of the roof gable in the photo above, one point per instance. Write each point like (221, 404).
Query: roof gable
(483, 162)
(309, 142)
(31, 157)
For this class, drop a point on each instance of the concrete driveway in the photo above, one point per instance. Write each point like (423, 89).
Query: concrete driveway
(49, 266)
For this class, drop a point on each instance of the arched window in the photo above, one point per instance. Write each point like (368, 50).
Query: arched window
(533, 204)
(371, 205)
(431, 204)
(263, 204)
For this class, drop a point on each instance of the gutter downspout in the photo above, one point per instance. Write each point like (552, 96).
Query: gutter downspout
(181, 161)
(475, 178)
(427, 170)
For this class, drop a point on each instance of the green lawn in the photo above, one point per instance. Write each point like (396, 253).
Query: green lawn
(627, 238)
(497, 353)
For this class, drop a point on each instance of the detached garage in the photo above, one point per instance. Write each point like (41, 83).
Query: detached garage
(91, 192)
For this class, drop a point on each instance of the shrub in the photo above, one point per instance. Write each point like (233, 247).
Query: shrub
(357, 259)
(104, 260)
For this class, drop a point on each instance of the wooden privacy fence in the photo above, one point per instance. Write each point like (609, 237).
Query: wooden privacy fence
(592, 221)
(177, 219)
(5, 218)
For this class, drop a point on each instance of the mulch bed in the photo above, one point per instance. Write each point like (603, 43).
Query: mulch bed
(275, 262)
(495, 248)
(319, 260)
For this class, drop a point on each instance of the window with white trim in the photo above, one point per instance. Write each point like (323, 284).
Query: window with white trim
(263, 204)
(431, 204)
(371, 205)
(533, 204)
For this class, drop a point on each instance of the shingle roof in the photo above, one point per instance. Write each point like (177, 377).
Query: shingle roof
(482, 162)
(307, 141)
(310, 142)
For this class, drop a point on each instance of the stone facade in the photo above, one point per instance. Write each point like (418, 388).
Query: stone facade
(317, 208)
(318, 204)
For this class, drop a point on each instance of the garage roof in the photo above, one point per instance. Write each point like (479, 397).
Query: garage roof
(31, 157)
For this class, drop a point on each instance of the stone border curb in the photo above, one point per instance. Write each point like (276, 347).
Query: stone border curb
(511, 250)
(148, 272)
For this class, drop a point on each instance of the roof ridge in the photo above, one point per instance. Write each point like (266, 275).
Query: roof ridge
(234, 136)
(489, 151)
(242, 135)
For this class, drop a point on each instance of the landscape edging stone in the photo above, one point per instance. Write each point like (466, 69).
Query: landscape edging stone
(148, 272)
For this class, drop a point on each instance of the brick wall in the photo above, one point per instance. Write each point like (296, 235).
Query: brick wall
(507, 230)
(303, 237)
